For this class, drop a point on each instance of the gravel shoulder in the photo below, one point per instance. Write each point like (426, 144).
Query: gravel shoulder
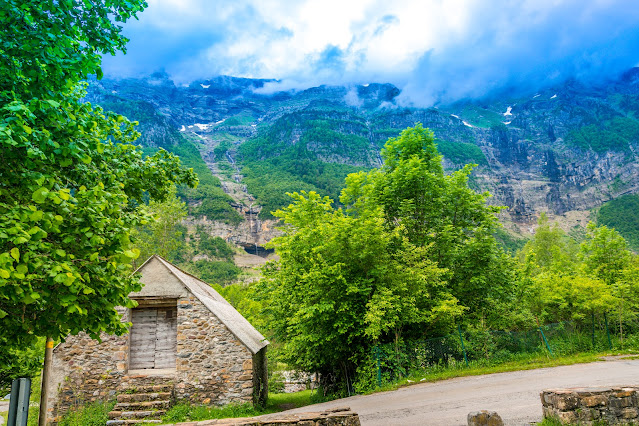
(514, 395)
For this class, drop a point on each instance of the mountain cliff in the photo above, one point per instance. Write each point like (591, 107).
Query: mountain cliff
(563, 150)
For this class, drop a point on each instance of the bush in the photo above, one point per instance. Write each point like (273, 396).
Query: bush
(276, 382)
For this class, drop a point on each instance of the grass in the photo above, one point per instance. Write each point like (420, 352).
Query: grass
(553, 421)
(94, 414)
(475, 368)
(276, 402)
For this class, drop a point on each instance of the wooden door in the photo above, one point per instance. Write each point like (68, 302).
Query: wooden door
(166, 338)
(153, 338)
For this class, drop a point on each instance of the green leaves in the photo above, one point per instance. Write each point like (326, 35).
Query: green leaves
(15, 253)
(69, 175)
(40, 195)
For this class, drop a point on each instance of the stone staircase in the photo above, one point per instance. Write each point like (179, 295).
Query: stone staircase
(142, 405)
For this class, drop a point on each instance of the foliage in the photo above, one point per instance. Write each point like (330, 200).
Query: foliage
(215, 247)
(276, 402)
(605, 253)
(188, 412)
(71, 183)
(20, 362)
(615, 134)
(437, 210)
(93, 414)
(213, 272)
(213, 202)
(461, 152)
(270, 180)
(510, 243)
(622, 214)
(273, 165)
(390, 265)
(163, 235)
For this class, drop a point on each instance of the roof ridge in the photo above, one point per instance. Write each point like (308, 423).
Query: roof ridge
(239, 326)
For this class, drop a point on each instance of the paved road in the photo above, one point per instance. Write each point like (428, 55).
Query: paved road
(515, 395)
(4, 406)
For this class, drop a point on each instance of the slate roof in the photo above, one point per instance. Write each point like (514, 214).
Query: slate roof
(231, 318)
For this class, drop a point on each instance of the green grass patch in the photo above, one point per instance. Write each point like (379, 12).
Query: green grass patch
(276, 402)
(238, 120)
(94, 414)
(477, 368)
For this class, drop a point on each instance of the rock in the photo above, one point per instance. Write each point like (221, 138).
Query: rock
(484, 418)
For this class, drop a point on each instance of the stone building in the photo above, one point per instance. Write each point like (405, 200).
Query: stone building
(186, 342)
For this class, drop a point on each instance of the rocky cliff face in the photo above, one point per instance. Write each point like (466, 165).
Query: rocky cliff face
(562, 150)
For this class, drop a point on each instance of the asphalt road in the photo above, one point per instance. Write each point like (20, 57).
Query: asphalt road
(515, 395)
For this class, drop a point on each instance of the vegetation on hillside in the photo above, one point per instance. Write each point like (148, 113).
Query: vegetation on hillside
(169, 238)
(614, 135)
(622, 214)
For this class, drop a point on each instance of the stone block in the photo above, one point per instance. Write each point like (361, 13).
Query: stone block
(565, 402)
(569, 417)
(629, 413)
(623, 392)
(619, 402)
(594, 400)
(484, 418)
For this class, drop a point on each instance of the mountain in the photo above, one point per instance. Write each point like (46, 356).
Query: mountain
(564, 150)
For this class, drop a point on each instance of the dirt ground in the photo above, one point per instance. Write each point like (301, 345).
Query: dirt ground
(515, 395)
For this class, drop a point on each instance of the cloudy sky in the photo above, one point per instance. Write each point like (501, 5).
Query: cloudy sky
(435, 50)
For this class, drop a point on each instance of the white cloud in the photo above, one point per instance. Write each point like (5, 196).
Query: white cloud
(432, 48)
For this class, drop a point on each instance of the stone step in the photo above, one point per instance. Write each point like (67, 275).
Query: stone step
(133, 422)
(139, 397)
(162, 388)
(142, 414)
(142, 405)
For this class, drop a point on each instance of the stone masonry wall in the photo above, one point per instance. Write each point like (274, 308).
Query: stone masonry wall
(340, 416)
(618, 405)
(213, 366)
(85, 370)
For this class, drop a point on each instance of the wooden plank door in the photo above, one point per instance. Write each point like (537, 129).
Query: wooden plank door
(143, 338)
(166, 338)
(153, 338)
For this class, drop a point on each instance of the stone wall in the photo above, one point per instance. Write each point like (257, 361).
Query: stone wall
(342, 416)
(85, 370)
(587, 405)
(213, 366)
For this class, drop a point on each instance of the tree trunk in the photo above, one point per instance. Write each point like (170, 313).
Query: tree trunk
(44, 389)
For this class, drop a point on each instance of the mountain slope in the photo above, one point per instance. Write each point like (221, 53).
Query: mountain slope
(563, 150)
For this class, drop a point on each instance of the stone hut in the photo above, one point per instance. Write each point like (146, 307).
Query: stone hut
(186, 342)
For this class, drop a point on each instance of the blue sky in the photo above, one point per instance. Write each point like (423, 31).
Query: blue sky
(435, 50)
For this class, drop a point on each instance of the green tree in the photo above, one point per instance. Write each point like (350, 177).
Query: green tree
(607, 257)
(439, 211)
(559, 286)
(163, 235)
(70, 181)
(411, 251)
(344, 282)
